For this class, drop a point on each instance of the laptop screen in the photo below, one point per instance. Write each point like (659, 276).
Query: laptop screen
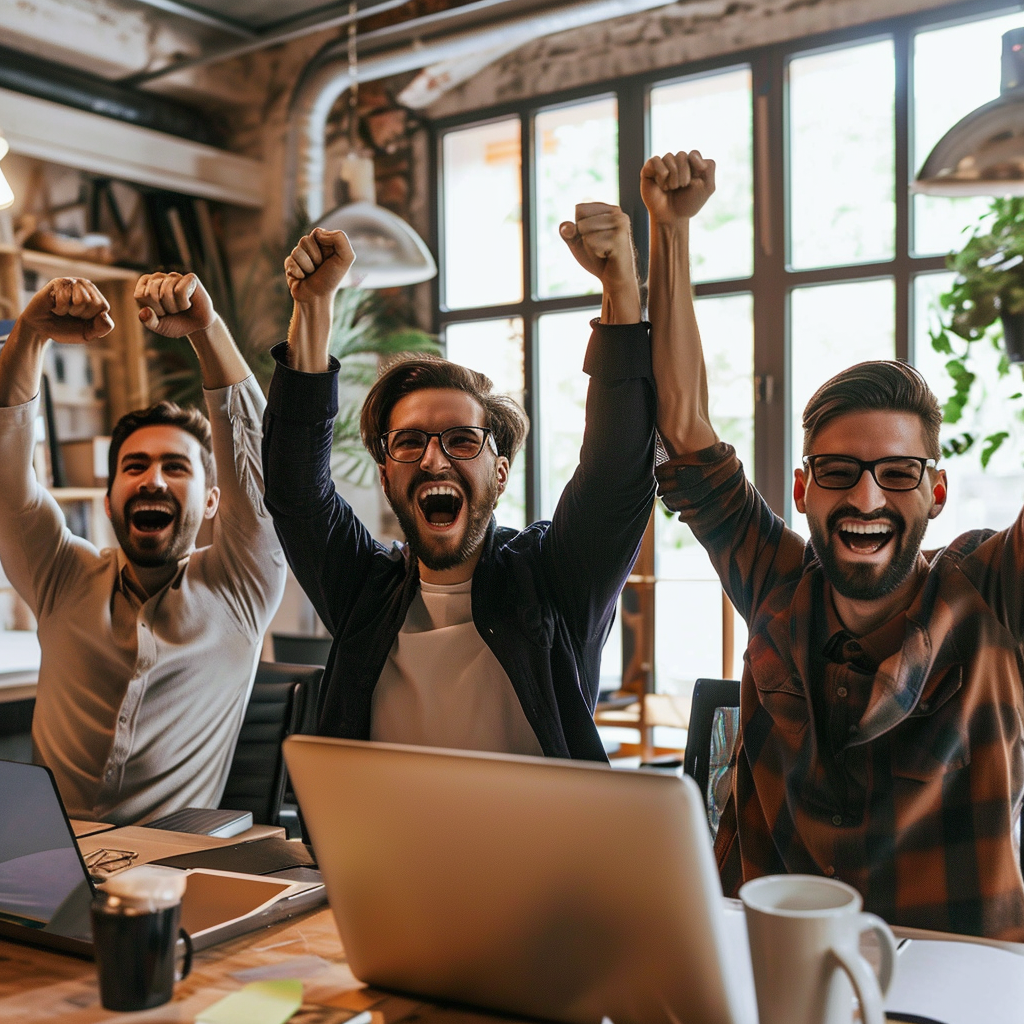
(43, 881)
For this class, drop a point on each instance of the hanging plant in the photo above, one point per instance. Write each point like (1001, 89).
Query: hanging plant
(988, 292)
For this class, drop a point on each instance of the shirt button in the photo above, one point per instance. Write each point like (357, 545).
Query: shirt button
(923, 705)
(123, 719)
(840, 691)
(830, 871)
(837, 819)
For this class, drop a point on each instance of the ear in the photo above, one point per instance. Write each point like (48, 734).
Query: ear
(501, 471)
(212, 503)
(106, 504)
(799, 490)
(939, 493)
(381, 469)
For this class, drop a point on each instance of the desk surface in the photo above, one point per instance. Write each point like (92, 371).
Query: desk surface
(38, 986)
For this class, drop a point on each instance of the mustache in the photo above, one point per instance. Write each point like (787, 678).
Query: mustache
(899, 524)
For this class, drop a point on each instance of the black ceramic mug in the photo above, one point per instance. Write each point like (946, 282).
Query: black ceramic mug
(136, 929)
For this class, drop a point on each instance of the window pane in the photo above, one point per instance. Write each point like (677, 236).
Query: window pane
(978, 498)
(832, 327)
(955, 70)
(712, 114)
(562, 339)
(577, 161)
(841, 156)
(688, 596)
(483, 235)
(495, 348)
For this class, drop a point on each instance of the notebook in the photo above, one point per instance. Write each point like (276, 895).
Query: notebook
(46, 888)
(546, 888)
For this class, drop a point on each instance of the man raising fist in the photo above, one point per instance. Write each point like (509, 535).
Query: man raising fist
(470, 635)
(148, 649)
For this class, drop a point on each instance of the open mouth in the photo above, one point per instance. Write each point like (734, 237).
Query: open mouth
(440, 504)
(865, 538)
(151, 517)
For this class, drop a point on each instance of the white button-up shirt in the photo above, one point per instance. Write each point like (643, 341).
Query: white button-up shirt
(140, 700)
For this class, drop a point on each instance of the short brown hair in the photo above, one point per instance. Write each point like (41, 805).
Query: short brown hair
(168, 414)
(507, 421)
(883, 384)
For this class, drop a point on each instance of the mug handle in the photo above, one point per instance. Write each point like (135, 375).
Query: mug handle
(868, 987)
(186, 963)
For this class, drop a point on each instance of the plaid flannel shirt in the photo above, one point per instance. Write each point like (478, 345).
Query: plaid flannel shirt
(895, 763)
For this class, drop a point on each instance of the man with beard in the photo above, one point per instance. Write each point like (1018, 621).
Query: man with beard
(881, 701)
(148, 650)
(470, 635)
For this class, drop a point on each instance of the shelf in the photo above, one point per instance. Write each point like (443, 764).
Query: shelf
(79, 493)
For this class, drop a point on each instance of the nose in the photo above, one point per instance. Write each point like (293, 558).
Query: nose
(153, 479)
(434, 459)
(865, 494)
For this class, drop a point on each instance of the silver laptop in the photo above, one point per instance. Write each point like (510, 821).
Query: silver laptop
(544, 888)
(46, 889)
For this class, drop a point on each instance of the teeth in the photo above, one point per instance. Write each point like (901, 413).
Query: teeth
(439, 489)
(866, 528)
(149, 506)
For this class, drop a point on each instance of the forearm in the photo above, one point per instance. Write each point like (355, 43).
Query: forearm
(676, 353)
(21, 366)
(220, 362)
(620, 302)
(309, 335)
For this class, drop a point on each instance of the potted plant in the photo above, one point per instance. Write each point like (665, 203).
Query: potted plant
(989, 287)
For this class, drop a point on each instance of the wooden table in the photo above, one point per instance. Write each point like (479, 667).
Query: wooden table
(38, 986)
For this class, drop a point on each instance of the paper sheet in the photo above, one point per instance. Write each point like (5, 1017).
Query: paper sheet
(260, 1002)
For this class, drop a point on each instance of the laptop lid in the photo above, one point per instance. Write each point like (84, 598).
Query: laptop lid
(562, 890)
(46, 889)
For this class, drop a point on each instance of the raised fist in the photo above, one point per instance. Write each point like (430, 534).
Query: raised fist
(316, 266)
(601, 241)
(174, 305)
(71, 310)
(675, 186)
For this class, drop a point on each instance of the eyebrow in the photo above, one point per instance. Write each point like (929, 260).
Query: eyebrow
(146, 457)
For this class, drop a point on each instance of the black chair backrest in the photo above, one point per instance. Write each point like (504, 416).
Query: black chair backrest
(299, 649)
(708, 694)
(283, 701)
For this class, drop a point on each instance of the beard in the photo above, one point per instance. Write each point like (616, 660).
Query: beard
(860, 582)
(152, 552)
(439, 553)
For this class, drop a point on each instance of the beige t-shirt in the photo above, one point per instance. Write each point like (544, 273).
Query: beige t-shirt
(442, 685)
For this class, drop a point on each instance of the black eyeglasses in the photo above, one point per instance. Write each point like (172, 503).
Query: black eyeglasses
(456, 442)
(841, 472)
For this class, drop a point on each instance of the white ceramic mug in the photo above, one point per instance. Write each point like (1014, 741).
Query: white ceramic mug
(804, 934)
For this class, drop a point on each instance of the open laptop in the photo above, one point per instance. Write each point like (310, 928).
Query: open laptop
(46, 890)
(544, 888)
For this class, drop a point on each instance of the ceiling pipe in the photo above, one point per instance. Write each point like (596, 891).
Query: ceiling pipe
(327, 76)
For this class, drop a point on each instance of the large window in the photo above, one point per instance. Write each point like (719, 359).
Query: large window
(812, 255)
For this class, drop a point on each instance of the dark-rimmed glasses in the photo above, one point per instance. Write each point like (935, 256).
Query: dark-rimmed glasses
(841, 472)
(408, 445)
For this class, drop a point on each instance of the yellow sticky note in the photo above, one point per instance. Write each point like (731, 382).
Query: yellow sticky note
(260, 1002)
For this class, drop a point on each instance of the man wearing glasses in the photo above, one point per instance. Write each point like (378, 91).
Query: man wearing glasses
(471, 635)
(881, 702)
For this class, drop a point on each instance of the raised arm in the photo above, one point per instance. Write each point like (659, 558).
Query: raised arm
(674, 188)
(314, 271)
(68, 309)
(178, 306)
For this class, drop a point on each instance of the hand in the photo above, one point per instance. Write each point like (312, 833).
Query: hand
(316, 266)
(173, 305)
(71, 310)
(602, 242)
(675, 186)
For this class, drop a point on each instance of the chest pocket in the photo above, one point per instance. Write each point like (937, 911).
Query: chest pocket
(933, 739)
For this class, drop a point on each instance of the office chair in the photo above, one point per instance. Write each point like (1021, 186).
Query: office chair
(708, 696)
(283, 701)
(301, 649)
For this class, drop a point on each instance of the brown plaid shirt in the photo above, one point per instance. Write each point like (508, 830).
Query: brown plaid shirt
(893, 761)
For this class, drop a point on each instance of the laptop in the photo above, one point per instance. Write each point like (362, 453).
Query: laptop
(559, 890)
(46, 888)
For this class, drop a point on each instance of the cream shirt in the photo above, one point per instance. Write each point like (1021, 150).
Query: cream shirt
(139, 700)
(442, 686)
